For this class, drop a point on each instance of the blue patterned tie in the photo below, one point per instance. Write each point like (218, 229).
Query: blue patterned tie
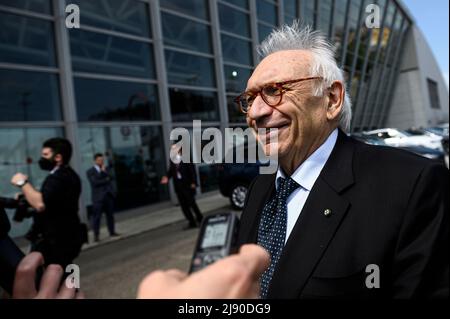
(272, 228)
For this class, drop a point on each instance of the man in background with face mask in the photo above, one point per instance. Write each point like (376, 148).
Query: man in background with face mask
(185, 182)
(58, 234)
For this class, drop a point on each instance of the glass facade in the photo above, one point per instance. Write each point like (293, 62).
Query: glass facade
(135, 153)
(137, 68)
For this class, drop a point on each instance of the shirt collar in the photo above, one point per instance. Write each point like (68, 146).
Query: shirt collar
(306, 174)
(97, 168)
(54, 169)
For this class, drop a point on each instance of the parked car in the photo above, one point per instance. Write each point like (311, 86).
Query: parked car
(368, 139)
(434, 154)
(438, 130)
(234, 180)
(396, 137)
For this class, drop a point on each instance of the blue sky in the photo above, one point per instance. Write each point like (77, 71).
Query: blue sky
(432, 18)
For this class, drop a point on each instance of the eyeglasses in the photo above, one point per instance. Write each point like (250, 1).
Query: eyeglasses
(272, 94)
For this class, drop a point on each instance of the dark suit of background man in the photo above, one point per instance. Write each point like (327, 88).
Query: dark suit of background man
(341, 219)
(185, 182)
(103, 195)
(56, 232)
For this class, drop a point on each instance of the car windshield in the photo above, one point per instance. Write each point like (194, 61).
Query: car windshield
(404, 133)
(438, 130)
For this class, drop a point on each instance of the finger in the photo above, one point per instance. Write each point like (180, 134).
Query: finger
(50, 282)
(24, 283)
(80, 295)
(177, 274)
(156, 283)
(256, 258)
(66, 292)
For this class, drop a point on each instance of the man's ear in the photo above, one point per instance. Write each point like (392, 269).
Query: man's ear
(335, 100)
(58, 159)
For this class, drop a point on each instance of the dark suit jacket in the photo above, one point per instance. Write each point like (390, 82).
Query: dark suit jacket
(61, 193)
(101, 184)
(188, 176)
(388, 207)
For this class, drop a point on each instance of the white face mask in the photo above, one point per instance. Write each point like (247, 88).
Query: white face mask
(176, 159)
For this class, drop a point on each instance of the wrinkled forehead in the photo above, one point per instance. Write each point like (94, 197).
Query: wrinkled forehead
(281, 66)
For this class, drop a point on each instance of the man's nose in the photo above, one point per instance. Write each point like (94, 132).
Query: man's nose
(259, 109)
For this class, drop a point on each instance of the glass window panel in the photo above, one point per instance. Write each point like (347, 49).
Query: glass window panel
(354, 11)
(288, 20)
(236, 78)
(234, 113)
(267, 12)
(186, 34)
(104, 100)
(40, 6)
(208, 177)
(239, 3)
(188, 105)
(290, 8)
(325, 16)
(307, 12)
(101, 53)
(236, 50)
(20, 150)
(263, 31)
(136, 156)
(189, 69)
(196, 8)
(29, 96)
(128, 16)
(339, 23)
(387, 33)
(26, 40)
(234, 21)
(433, 93)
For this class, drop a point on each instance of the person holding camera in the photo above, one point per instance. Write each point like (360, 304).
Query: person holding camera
(57, 231)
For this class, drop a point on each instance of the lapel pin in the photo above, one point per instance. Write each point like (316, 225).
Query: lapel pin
(327, 212)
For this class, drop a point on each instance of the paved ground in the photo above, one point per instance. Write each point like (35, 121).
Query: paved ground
(114, 269)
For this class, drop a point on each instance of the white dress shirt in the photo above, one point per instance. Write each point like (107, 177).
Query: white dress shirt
(54, 170)
(306, 175)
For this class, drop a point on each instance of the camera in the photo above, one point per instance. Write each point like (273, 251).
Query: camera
(23, 209)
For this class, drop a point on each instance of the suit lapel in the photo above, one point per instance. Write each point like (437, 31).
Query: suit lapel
(314, 228)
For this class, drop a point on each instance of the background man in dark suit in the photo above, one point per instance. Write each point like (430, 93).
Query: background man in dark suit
(103, 195)
(185, 182)
(340, 218)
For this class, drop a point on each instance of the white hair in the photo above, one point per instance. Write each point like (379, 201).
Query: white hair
(295, 37)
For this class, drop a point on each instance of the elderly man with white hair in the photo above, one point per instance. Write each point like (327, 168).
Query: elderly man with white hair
(340, 219)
